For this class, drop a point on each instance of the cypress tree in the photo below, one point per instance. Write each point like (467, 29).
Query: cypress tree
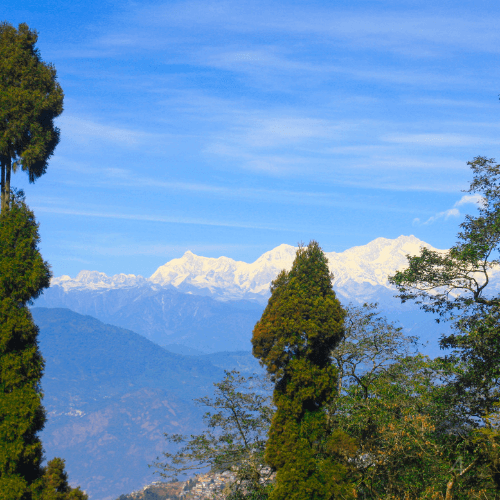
(23, 276)
(301, 325)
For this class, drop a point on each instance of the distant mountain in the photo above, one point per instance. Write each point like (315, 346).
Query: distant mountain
(226, 279)
(209, 305)
(165, 316)
(110, 394)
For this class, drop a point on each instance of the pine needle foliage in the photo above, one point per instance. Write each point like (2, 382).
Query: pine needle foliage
(299, 328)
(30, 100)
(23, 275)
(55, 483)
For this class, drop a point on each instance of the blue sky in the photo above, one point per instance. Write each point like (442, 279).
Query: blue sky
(228, 128)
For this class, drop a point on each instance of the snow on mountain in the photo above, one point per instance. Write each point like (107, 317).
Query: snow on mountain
(372, 263)
(233, 279)
(227, 279)
(94, 280)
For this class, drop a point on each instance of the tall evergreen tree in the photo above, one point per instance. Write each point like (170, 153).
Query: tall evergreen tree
(299, 328)
(30, 100)
(23, 276)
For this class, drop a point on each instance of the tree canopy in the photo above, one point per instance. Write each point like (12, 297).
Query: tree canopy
(458, 279)
(300, 326)
(55, 483)
(30, 100)
(455, 285)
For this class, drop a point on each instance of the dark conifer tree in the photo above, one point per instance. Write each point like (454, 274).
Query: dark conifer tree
(23, 276)
(30, 100)
(299, 328)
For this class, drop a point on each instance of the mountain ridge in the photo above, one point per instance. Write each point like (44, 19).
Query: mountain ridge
(224, 278)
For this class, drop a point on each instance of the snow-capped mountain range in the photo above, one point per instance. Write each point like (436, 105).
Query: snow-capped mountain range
(226, 279)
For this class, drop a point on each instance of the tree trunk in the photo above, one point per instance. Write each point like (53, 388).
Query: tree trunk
(2, 197)
(451, 482)
(449, 488)
(7, 184)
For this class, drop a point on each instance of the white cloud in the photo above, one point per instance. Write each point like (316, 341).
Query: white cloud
(412, 33)
(452, 212)
(474, 199)
(84, 131)
(155, 218)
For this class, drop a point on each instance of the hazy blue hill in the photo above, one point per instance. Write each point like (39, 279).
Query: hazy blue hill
(110, 359)
(193, 324)
(110, 394)
(165, 316)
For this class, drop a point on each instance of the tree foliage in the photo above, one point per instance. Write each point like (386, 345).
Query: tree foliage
(454, 284)
(30, 100)
(300, 326)
(407, 439)
(55, 483)
(23, 275)
(369, 346)
(457, 280)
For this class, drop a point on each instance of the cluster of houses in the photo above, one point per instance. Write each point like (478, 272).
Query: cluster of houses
(201, 487)
(209, 486)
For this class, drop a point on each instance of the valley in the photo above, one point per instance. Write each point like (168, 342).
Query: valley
(110, 394)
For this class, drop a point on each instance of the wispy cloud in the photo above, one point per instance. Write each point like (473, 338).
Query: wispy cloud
(414, 33)
(466, 103)
(442, 140)
(128, 249)
(452, 212)
(118, 178)
(157, 218)
(468, 199)
(85, 131)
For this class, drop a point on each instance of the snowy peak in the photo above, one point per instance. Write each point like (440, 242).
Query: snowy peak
(282, 253)
(195, 269)
(227, 279)
(372, 263)
(95, 280)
